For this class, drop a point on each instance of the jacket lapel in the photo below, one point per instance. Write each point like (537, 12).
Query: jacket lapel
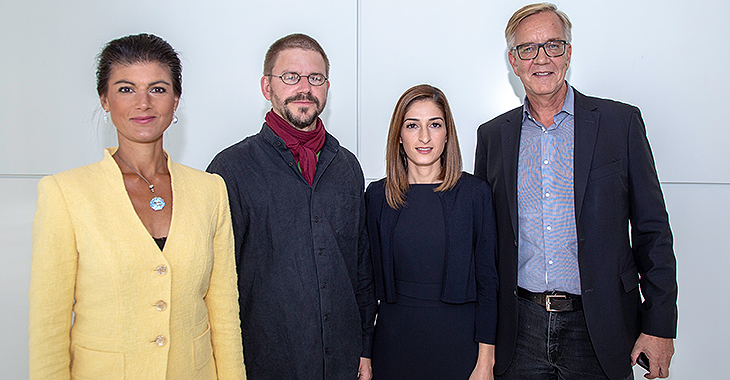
(510, 157)
(586, 131)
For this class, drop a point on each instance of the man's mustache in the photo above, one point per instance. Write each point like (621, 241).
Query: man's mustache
(307, 97)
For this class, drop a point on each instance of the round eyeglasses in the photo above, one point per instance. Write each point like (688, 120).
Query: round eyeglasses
(293, 78)
(530, 51)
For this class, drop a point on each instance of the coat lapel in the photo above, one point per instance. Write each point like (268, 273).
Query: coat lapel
(586, 131)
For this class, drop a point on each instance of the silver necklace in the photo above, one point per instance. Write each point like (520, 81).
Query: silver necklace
(156, 203)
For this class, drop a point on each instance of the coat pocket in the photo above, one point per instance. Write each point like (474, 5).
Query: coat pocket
(605, 170)
(343, 211)
(630, 279)
(202, 349)
(88, 364)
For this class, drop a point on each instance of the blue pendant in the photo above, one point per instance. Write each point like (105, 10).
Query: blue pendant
(157, 203)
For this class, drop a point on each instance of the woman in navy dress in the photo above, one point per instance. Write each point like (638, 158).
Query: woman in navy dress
(433, 242)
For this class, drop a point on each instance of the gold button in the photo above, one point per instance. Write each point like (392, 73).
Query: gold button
(161, 269)
(160, 305)
(160, 340)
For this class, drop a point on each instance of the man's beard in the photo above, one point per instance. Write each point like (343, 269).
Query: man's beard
(298, 122)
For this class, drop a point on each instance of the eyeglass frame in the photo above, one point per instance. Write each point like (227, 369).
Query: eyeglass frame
(542, 45)
(299, 78)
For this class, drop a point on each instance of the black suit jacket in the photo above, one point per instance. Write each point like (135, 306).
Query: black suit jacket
(615, 185)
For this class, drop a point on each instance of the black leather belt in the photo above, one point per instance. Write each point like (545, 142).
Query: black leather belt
(553, 301)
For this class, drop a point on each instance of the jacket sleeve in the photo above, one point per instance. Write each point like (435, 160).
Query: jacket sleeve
(222, 297)
(52, 284)
(651, 236)
(239, 218)
(485, 254)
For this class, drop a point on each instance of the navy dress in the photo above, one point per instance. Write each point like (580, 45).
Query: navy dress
(419, 336)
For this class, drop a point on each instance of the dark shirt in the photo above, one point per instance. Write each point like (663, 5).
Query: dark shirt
(419, 239)
(304, 275)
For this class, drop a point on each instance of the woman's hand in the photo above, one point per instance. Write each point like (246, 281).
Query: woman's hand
(485, 363)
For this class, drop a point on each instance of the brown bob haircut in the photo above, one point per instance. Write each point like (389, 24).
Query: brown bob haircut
(396, 182)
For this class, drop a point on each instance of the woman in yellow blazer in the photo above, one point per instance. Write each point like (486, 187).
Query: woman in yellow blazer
(126, 284)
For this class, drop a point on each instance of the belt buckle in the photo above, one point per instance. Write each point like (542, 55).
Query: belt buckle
(548, 301)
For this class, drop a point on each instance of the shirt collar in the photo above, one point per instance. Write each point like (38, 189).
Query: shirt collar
(568, 104)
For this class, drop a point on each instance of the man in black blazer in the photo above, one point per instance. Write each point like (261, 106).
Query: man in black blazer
(586, 265)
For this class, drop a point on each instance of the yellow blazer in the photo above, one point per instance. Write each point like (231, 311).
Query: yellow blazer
(138, 312)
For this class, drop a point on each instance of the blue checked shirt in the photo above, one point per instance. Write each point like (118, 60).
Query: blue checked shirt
(548, 248)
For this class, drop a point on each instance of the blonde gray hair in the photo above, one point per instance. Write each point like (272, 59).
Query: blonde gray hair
(532, 9)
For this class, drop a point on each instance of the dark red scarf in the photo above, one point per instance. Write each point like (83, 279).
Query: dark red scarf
(303, 145)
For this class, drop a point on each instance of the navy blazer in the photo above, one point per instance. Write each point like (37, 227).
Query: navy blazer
(470, 273)
(615, 185)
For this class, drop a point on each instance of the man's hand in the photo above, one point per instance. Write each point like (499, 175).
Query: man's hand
(365, 372)
(658, 350)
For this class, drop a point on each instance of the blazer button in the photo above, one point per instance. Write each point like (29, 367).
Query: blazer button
(161, 269)
(160, 305)
(160, 340)
(515, 243)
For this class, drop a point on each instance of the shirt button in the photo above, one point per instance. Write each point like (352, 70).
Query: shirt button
(319, 251)
(160, 305)
(161, 269)
(160, 340)
(326, 317)
(316, 219)
(547, 195)
(324, 284)
(291, 163)
(549, 228)
(546, 162)
(550, 262)
(327, 350)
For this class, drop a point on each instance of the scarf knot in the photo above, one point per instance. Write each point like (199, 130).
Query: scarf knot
(304, 145)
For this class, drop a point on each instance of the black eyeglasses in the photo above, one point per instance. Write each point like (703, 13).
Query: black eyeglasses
(293, 78)
(530, 51)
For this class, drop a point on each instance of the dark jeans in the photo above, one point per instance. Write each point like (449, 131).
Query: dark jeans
(552, 345)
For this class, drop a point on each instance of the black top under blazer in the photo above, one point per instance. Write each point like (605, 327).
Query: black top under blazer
(471, 245)
(615, 183)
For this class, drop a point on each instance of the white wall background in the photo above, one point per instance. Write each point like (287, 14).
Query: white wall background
(668, 57)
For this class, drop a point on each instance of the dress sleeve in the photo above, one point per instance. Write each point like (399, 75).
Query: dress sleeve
(222, 297)
(52, 284)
